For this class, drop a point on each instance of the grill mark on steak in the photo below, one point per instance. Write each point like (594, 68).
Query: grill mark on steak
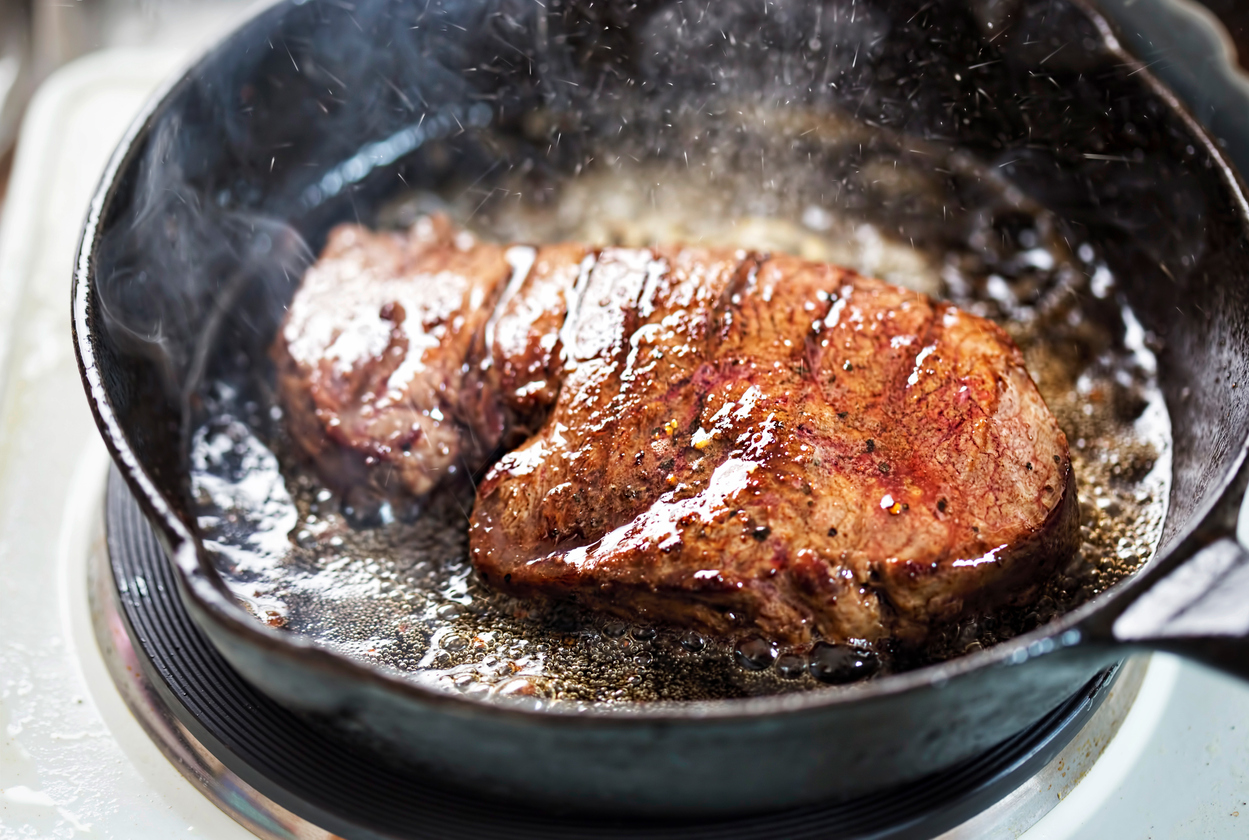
(726, 439)
(527, 336)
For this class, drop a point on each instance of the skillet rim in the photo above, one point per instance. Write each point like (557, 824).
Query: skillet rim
(208, 598)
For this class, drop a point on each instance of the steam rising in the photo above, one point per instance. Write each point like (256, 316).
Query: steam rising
(185, 268)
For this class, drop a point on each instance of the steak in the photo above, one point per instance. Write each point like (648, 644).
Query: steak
(715, 439)
(373, 359)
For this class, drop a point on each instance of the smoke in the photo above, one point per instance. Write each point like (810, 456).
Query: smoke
(188, 266)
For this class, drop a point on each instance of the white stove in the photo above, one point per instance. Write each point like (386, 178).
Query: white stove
(1169, 760)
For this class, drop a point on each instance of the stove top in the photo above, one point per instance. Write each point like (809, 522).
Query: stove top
(73, 758)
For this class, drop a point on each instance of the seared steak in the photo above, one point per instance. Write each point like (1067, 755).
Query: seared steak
(721, 439)
(373, 358)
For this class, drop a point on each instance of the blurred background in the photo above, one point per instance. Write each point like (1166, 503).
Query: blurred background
(1235, 16)
(38, 36)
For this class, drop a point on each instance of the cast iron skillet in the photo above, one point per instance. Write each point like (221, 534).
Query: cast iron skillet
(315, 112)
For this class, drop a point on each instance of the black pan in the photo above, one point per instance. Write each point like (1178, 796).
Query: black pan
(316, 112)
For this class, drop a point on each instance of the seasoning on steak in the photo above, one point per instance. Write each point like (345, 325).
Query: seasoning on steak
(726, 440)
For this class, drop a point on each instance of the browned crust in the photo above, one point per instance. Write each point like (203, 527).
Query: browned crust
(793, 610)
(734, 440)
(565, 515)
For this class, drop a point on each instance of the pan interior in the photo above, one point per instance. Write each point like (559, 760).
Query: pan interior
(913, 141)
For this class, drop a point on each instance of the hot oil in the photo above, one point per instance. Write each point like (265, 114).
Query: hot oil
(395, 588)
(1095, 366)
(402, 594)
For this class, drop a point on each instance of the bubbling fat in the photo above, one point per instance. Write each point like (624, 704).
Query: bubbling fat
(394, 588)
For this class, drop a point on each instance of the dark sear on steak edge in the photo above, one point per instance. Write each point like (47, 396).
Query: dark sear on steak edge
(715, 439)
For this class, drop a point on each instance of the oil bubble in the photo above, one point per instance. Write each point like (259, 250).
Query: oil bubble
(615, 629)
(693, 642)
(791, 666)
(454, 642)
(755, 654)
(644, 634)
(841, 664)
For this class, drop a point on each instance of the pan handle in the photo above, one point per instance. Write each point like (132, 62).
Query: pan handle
(1198, 609)
(1196, 602)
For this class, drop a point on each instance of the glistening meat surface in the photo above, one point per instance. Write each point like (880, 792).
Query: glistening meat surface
(728, 440)
(372, 358)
